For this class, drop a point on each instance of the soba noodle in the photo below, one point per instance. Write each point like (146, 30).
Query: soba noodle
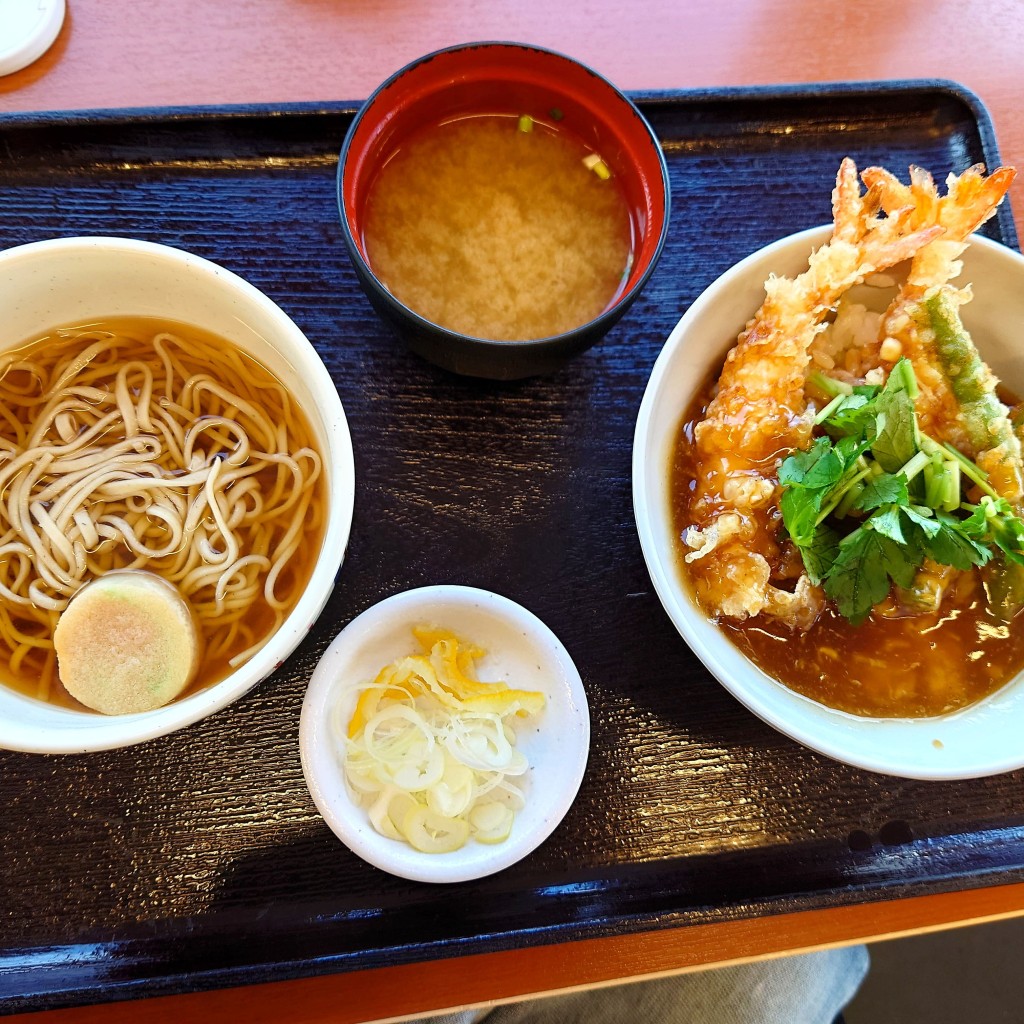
(128, 445)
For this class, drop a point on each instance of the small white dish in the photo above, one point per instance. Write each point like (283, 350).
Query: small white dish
(521, 650)
(984, 739)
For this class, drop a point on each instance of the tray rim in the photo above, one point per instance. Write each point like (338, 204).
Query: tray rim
(655, 98)
(170, 981)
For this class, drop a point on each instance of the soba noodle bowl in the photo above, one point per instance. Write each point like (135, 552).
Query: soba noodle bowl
(148, 445)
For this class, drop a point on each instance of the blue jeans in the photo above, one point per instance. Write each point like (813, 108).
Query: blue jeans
(811, 988)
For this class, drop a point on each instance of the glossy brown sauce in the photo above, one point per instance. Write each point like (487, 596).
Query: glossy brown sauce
(909, 667)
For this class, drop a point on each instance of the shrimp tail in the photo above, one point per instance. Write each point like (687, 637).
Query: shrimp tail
(970, 200)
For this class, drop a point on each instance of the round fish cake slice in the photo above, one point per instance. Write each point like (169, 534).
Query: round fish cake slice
(126, 643)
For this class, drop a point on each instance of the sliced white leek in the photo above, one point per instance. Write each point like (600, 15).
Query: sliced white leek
(454, 793)
(491, 822)
(430, 749)
(430, 832)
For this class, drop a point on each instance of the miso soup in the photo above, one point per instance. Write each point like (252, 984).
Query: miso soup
(499, 227)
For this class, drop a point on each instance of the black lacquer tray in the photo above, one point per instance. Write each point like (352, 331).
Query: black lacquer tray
(198, 860)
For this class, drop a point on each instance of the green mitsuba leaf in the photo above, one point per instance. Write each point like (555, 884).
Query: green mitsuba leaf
(800, 510)
(886, 521)
(947, 545)
(895, 440)
(820, 552)
(850, 449)
(851, 416)
(862, 574)
(885, 489)
(817, 467)
(993, 521)
(889, 526)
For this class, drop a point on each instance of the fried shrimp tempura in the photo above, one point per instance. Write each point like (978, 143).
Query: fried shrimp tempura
(760, 412)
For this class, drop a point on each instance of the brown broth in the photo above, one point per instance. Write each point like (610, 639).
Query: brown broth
(223, 638)
(498, 233)
(909, 667)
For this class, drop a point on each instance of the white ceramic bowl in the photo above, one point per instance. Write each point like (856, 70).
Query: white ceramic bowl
(61, 281)
(520, 650)
(984, 739)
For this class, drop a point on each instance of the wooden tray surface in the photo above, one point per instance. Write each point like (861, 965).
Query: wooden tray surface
(198, 860)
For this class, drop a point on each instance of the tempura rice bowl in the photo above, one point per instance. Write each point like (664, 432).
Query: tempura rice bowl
(63, 281)
(983, 739)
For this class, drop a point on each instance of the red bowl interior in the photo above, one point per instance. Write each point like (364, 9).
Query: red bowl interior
(509, 78)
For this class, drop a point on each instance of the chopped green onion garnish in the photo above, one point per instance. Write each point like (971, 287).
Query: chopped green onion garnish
(934, 482)
(594, 163)
(841, 494)
(971, 470)
(827, 410)
(525, 123)
(951, 499)
(848, 499)
(556, 114)
(829, 385)
(914, 466)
